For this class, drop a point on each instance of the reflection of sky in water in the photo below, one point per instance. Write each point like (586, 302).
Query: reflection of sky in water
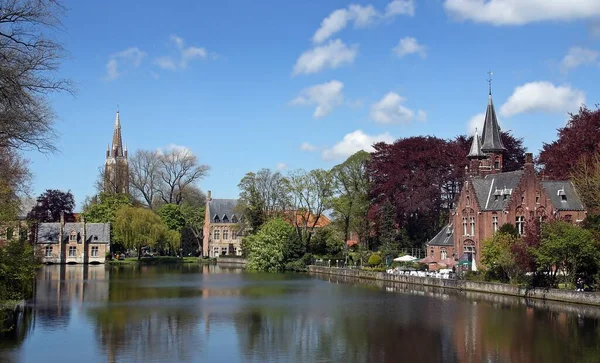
(200, 313)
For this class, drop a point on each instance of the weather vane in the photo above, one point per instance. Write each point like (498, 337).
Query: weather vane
(490, 80)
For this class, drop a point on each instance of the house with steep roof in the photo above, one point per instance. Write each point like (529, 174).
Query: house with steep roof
(77, 242)
(490, 198)
(221, 228)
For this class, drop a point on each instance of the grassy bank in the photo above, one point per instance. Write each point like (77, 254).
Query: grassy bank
(160, 260)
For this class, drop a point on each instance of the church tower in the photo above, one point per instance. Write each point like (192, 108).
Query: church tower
(116, 168)
(486, 153)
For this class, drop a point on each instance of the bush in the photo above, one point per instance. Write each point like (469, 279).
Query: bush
(374, 260)
(375, 269)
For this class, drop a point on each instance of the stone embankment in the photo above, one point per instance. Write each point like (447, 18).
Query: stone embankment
(570, 296)
(232, 261)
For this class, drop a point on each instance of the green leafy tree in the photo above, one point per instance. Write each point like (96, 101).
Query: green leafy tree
(172, 216)
(104, 208)
(387, 232)
(194, 222)
(266, 249)
(18, 266)
(51, 204)
(508, 228)
(326, 241)
(139, 227)
(497, 256)
(569, 249)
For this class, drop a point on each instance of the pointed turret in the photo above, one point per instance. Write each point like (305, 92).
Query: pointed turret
(475, 152)
(117, 142)
(492, 143)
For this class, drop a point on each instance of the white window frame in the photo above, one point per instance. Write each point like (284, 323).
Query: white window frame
(48, 252)
(225, 235)
(73, 236)
(95, 251)
(72, 251)
(472, 223)
(216, 235)
(520, 225)
(495, 223)
(465, 226)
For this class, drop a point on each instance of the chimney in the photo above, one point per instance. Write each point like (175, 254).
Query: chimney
(528, 158)
(62, 218)
(208, 196)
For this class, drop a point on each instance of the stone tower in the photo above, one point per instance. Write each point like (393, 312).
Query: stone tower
(116, 168)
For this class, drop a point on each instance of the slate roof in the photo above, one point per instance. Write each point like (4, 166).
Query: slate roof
(48, 232)
(491, 131)
(494, 191)
(475, 152)
(556, 189)
(77, 227)
(222, 208)
(445, 237)
(97, 232)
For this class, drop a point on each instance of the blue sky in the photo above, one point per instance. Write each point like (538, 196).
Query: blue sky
(304, 84)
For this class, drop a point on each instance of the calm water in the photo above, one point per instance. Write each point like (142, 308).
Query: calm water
(206, 313)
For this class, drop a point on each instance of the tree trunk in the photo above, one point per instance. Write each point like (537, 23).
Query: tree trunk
(139, 253)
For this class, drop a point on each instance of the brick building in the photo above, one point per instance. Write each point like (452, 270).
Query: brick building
(221, 228)
(490, 198)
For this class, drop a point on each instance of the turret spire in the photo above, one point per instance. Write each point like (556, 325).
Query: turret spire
(491, 131)
(117, 142)
(475, 151)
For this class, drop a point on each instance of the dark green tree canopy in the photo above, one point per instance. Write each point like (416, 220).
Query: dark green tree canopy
(51, 204)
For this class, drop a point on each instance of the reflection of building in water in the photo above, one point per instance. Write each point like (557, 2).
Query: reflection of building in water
(59, 287)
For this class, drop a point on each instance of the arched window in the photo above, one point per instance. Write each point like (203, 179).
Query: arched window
(443, 254)
(520, 220)
(468, 201)
(495, 222)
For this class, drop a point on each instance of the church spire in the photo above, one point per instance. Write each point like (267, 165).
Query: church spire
(475, 151)
(117, 142)
(491, 131)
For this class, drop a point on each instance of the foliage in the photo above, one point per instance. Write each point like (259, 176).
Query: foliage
(172, 216)
(18, 266)
(326, 241)
(15, 180)
(386, 230)
(508, 228)
(351, 202)
(300, 264)
(496, 254)
(374, 260)
(51, 204)
(140, 227)
(29, 61)
(104, 208)
(586, 177)
(194, 222)
(578, 139)
(569, 248)
(420, 176)
(513, 157)
(266, 249)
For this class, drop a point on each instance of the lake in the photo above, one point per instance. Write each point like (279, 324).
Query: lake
(192, 313)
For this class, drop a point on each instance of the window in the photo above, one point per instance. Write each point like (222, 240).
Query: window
(537, 198)
(94, 251)
(215, 251)
(223, 251)
(73, 237)
(495, 223)
(468, 201)
(472, 226)
(225, 219)
(235, 250)
(234, 219)
(225, 234)
(496, 196)
(234, 235)
(216, 234)
(431, 253)
(465, 226)
(72, 251)
(444, 254)
(521, 224)
(563, 198)
(522, 199)
(48, 251)
(505, 196)
(217, 219)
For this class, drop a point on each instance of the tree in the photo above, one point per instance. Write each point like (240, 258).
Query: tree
(419, 175)
(105, 206)
(139, 227)
(569, 249)
(18, 266)
(386, 230)
(496, 253)
(178, 169)
(509, 228)
(326, 241)
(579, 138)
(311, 195)
(29, 59)
(266, 249)
(172, 216)
(514, 157)
(51, 204)
(194, 222)
(144, 177)
(351, 201)
(586, 177)
(15, 180)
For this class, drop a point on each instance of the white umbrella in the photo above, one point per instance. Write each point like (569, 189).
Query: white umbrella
(405, 258)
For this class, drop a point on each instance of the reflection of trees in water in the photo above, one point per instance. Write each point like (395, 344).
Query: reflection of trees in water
(15, 327)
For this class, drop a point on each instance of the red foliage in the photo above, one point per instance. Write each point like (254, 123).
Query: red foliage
(514, 157)
(522, 251)
(579, 138)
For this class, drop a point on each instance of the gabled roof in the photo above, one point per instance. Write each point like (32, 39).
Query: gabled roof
(69, 227)
(97, 232)
(445, 237)
(563, 195)
(491, 131)
(48, 232)
(221, 208)
(494, 191)
(475, 152)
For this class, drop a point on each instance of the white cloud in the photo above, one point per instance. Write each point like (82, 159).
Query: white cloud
(129, 57)
(308, 147)
(332, 55)
(542, 97)
(410, 45)
(184, 57)
(390, 110)
(326, 96)
(518, 12)
(361, 16)
(476, 122)
(353, 142)
(174, 147)
(578, 56)
(281, 166)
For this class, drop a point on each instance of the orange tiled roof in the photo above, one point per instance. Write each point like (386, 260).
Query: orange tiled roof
(302, 217)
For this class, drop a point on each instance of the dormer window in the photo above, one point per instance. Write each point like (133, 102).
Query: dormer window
(225, 219)
(73, 236)
(217, 219)
(496, 196)
(562, 194)
(563, 198)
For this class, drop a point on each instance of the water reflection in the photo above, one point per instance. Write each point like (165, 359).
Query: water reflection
(212, 313)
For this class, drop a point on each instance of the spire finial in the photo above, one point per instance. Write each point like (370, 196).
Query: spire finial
(490, 81)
